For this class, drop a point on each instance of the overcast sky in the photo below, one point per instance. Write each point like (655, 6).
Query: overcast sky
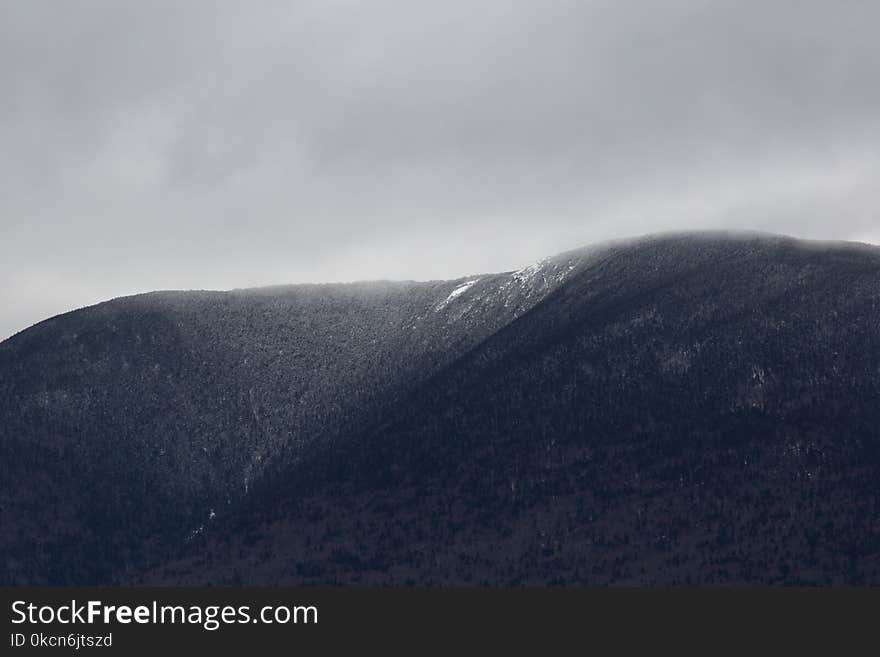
(151, 145)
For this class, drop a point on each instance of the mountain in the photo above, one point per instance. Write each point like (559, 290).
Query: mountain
(126, 427)
(695, 408)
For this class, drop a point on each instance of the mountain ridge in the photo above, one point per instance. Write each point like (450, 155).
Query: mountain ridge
(205, 389)
(364, 383)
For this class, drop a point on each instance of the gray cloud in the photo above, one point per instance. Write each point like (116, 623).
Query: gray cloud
(226, 144)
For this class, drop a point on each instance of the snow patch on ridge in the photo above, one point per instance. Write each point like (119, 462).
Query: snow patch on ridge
(457, 292)
(529, 272)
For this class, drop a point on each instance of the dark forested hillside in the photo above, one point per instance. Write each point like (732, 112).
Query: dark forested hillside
(683, 410)
(128, 426)
(680, 409)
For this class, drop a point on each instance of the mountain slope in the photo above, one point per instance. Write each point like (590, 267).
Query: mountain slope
(127, 426)
(684, 409)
